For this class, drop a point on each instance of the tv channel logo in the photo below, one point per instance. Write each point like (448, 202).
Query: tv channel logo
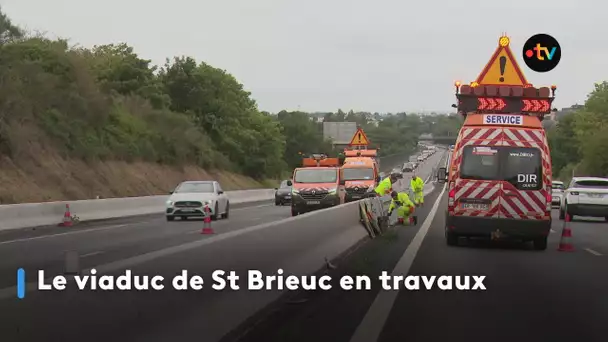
(542, 52)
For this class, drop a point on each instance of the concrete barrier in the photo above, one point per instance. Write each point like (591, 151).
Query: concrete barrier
(13, 216)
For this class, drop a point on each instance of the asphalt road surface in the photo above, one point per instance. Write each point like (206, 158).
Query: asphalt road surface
(149, 245)
(530, 295)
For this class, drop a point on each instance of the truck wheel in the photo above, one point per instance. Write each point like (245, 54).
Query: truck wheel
(451, 238)
(540, 244)
(562, 214)
(294, 212)
(170, 218)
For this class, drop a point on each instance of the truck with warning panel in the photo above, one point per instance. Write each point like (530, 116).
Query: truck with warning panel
(361, 168)
(361, 174)
(318, 184)
(499, 176)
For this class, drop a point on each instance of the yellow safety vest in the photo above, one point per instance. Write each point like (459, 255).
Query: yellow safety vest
(404, 199)
(384, 188)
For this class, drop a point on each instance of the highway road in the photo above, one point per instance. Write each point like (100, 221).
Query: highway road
(262, 237)
(530, 295)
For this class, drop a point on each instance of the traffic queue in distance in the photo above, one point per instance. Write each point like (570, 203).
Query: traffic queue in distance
(499, 174)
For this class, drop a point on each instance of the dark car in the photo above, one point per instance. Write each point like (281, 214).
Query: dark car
(409, 167)
(397, 172)
(282, 195)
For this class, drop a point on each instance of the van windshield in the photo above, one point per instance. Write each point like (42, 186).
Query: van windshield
(358, 174)
(313, 175)
(520, 166)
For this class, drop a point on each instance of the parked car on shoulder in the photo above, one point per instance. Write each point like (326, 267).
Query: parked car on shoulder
(190, 198)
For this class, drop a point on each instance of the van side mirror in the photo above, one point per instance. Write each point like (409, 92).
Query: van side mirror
(170, 192)
(220, 192)
(342, 182)
(289, 183)
(441, 175)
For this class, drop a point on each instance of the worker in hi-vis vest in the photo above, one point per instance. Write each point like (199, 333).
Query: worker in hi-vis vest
(385, 187)
(417, 187)
(405, 207)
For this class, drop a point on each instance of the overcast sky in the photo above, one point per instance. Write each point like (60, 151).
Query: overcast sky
(380, 55)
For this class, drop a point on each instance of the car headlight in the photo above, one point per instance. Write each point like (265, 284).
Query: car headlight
(295, 191)
(170, 203)
(209, 202)
(333, 191)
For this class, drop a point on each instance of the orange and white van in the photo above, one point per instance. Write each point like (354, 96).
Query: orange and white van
(318, 184)
(499, 176)
(361, 177)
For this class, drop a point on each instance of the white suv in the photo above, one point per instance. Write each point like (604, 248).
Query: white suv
(585, 196)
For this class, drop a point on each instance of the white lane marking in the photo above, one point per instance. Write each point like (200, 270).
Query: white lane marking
(552, 230)
(370, 328)
(72, 233)
(593, 252)
(91, 254)
(104, 228)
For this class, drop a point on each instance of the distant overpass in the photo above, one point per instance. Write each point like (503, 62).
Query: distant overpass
(446, 139)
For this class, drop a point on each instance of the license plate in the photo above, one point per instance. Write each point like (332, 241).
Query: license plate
(475, 206)
(313, 202)
(188, 210)
(287, 197)
(596, 195)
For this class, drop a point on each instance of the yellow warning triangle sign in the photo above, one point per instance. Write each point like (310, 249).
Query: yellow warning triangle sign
(502, 69)
(359, 139)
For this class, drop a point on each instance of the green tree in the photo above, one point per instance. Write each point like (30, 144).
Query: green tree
(119, 69)
(8, 31)
(579, 141)
(220, 106)
(301, 136)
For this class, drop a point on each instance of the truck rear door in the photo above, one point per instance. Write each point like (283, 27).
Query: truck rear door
(477, 185)
(523, 189)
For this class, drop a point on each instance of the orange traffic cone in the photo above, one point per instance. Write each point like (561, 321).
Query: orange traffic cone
(564, 243)
(67, 217)
(207, 222)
